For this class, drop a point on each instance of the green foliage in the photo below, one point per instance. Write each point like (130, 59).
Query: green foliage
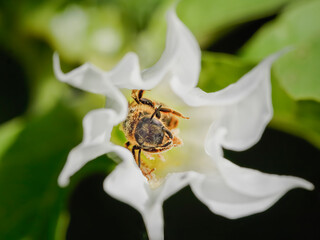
(30, 197)
(216, 71)
(298, 72)
(301, 118)
(209, 19)
(8, 133)
(31, 201)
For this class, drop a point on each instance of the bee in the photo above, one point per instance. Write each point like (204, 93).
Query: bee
(150, 127)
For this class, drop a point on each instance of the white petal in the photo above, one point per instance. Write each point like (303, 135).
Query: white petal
(92, 79)
(234, 92)
(173, 183)
(127, 184)
(182, 55)
(238, 192)
(86, 77)
(89, 78)
(153, 218)
(153, 214)
(127, 73)
(244, 108)
(78, 157)
(97, 127)
(245, 121)
(223, 200)
(255, 183)
(181, 58)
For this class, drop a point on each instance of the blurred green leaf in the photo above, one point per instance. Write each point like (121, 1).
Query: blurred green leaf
(100, 32)
(8, 133)
(31, 200)
(208, 19)
(215, 73)
(136, 14)
(298, 72)
(301, 118)
(32, 205)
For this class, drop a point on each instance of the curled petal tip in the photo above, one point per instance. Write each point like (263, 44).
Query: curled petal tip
(63, 181)
(280, 53)
(56, 66)
(307, 185)
(172, 11)
(56, 59)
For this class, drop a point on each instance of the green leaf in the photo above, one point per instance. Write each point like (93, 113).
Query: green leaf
(298, 72)
(32, 205)
(31, 200)
(215, 73)
(209, 19)
(8, 133)
(301, 118)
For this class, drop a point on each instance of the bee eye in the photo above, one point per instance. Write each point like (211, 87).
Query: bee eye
(158, 115)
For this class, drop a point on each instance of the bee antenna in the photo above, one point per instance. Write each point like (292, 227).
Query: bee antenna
(155, 112)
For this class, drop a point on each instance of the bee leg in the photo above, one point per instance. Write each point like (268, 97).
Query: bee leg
(172, 123)
(133, 150)
(168, 110)
(167, 132)
(157, 149)
(139, 157)
(135, 147)
(156, 112)
(137, 96)
(127, 145)
(146, 102)
(140, 93)
(166, 146)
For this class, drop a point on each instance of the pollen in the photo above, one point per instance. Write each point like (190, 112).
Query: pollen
(150, 173)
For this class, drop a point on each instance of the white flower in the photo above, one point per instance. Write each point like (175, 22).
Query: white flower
(233, 118)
